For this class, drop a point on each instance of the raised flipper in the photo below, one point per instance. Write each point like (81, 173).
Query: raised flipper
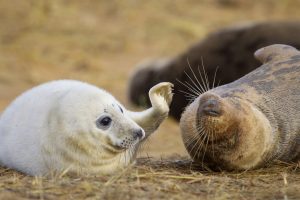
(160, 97)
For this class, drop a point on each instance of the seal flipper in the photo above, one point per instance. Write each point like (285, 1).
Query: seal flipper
(275, 52)
(160, 96)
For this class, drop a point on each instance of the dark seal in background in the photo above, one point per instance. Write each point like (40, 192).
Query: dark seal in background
(230, 49)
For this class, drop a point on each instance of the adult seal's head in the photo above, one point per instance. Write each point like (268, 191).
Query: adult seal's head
(76, 127)
(252, 121)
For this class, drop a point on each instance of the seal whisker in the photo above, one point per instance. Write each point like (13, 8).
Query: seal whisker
(131, 150)
(205, 75)
(198, 138)
(218, 83)
(201, 136)
(202, 142)
(189, 94)
(213, 85)
(199, 84)
(202, 79)
(190, 97)
(189, 87)
(195, 85)
(197, 152)
(195, 89)
(212, 145)
(205, 150)
(195, 144)
(192, 139)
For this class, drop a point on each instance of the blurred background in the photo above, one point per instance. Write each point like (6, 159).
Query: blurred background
(100, 42)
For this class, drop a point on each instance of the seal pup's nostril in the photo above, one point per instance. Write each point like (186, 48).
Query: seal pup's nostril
(211, 107)
(138, 134)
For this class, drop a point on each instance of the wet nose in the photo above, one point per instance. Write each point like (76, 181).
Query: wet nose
(211, 107)
(138, 134)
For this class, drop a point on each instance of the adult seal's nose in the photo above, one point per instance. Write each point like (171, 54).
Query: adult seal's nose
(138, 134)
(210, 107)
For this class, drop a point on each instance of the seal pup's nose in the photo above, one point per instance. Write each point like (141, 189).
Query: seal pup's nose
(138, 134)
(210, 106)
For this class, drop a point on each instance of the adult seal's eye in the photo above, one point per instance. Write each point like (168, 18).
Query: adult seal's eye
(104, 122)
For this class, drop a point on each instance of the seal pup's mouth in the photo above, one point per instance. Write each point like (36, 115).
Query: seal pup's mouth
(129, 141)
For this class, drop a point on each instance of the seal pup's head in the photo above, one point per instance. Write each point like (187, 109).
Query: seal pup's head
(91, 131)
(225, 132)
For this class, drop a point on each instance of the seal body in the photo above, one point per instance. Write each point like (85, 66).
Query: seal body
(252, 121)
(77, 127)
(230, 49)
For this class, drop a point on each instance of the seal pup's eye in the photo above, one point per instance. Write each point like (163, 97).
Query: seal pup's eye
(104, 122)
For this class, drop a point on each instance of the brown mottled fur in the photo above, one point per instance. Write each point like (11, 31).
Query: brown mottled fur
(256, 118)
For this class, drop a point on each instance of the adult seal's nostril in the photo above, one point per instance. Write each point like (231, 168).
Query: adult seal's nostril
(211, 107)
(138, 134)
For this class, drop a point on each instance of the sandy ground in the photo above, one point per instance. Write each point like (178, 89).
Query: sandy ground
(100, 42)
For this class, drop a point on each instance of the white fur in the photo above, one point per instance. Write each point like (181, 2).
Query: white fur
(52, 127)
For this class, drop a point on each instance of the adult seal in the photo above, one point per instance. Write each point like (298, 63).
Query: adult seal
(252, 121)
(76, 127)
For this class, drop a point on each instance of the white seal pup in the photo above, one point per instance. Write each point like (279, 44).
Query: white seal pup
(71, 125)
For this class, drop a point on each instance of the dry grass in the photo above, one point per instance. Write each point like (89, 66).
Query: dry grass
(100, 42)
(175, 178)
